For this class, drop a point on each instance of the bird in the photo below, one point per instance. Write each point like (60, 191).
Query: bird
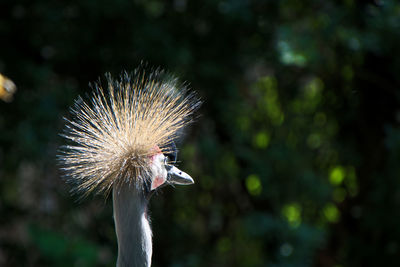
(122, 142)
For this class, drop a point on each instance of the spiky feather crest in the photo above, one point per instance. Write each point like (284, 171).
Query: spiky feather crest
(117, 132)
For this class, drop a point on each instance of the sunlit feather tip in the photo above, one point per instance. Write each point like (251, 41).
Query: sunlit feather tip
(114, 135)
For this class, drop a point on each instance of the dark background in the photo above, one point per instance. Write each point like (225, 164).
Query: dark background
(295, 153)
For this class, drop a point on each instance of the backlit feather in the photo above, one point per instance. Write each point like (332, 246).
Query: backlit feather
(114, 135)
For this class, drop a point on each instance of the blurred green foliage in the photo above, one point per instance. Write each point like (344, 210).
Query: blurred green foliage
(295, 154)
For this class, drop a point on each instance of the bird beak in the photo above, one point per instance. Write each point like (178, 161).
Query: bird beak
(176, 176)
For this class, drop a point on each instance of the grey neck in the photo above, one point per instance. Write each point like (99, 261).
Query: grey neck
(132, 227)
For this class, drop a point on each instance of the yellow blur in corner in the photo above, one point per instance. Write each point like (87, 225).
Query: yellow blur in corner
(7, 88)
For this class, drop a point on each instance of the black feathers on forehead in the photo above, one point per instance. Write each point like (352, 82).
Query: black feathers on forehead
(171, 152)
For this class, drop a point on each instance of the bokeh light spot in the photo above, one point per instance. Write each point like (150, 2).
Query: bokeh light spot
(292, 213)
(286, 249)
(313, 88)
(337, 175)
(290, 56)
(261, 140)
(253, 185)
(331, 213)
(314, 140)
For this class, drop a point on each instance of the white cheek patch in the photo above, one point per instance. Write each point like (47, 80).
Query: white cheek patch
(159, 172)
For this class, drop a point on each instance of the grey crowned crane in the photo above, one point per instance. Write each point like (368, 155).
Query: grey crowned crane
(122, 142)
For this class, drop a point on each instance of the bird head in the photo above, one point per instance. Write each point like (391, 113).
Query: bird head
(123, 134)
(164, 173)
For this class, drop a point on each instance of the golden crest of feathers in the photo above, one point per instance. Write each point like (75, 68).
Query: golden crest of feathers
(7, 88)
(116, 133)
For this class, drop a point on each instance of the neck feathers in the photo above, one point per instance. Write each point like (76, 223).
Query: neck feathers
(132, 227)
